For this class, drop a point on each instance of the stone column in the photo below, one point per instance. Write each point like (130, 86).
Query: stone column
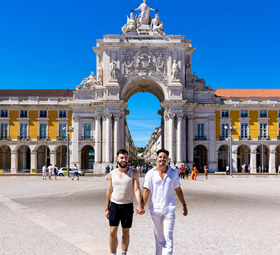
(116, 133)
(213, 163)
(253, 160)
(171, 137)
(75, 155)
(234, 160)
(14, 162)
(108, 134)
(97, 150)
(272, 168)
(33, 161)
(190, 140)
(165, 131)
(52, 159)
(183, 147)
(179, 139)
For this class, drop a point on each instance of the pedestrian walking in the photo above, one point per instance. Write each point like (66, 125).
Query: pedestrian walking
(123, 187)
(205, 168)
(227, 170)
(107, 171)
(187, 170)
(249, 169)
(55, 172)
(50, 169)
(260, 169)
(243, 168)
(44, 172)
(76, 172)
(159, 185)
(194, 173)
(182, 174)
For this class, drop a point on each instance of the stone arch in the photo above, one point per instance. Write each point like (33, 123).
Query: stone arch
(42, 157)
(262, 158)
(148, 84)
(223, 157)
(87, 158)
(277, 158)
(243, 156)
(23, 154)
(5, 157)
(61, 155)
(200, 157)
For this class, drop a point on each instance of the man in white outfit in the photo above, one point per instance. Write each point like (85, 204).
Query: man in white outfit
(159, 185)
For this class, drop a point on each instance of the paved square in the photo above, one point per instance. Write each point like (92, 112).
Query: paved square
(226, 216)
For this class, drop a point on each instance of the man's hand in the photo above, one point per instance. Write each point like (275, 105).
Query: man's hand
(140, 209)
(185, 209)
(107, 214)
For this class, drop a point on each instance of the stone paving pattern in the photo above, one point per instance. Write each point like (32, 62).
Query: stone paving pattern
(227, 216)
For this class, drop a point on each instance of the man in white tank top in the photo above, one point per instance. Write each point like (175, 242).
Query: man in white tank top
(123, 187)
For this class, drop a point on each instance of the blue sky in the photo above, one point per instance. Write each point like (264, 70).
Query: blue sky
(48, 44)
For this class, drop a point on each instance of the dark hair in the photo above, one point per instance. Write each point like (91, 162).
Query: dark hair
(164, 151)
(122, 151)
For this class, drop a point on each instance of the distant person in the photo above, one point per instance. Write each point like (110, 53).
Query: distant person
(187, 170)
(55, 172)
(227, 170)
(76, 172)
(260, 169)
(194, 172)
(107, 171)
(123, 187)
(249, 169)
(205, 168)
(182, 174)
(50, 169)
(44, 172)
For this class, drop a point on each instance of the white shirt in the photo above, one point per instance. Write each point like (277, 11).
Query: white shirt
(44, 169)
(50, 168)
(76, 168)
(162, 191)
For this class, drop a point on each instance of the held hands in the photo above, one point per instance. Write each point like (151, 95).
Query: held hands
(140, 209)
(185, 210)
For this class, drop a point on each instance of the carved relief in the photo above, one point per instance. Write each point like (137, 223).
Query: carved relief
(168, 114)
(89, 83)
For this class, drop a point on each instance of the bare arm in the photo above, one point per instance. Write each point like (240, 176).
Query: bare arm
(108, 195)
(146, 195)
(180, 195)
(137, 190)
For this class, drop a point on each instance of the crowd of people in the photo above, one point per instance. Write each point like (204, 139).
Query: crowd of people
(50, 171)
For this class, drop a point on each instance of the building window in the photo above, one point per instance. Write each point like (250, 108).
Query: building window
(244, 114)
(43, 131)
(87, 130)
(225, 130)
(43, 114)
(244, 130)
(279, 114)
(23, 114)
(200, 129)
(4, 113)
(4, 131)
(263, 113)
(263, 131)
(62, 131)
(225, 114)
(62, 114)
(23, 131)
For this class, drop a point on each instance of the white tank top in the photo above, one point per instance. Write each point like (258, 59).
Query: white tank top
(123, 189)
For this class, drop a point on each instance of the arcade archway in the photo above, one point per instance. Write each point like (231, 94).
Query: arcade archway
(5, 157)
(223, 157)
(200, 157)
(262, 159)
(43, 157)
(24, 158)
(87, 158)
(243, 156)
(61, 156)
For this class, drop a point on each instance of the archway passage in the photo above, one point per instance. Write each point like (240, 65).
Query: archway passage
(277, 159)
(243, 157)
(23, 158)
(262, 158)
(87, 158)
(43, 157)
(61, 156)
(5, 158)
(200, 157)
(223, 157)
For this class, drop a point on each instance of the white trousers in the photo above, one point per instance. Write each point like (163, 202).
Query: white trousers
(163, 231)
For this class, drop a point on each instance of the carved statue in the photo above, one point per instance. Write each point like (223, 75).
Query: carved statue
(113, 70)
(175, 70)
(157, 25)
(144, 17)
(196, 79)
(99, 73)
(88, 82)
(131, 24)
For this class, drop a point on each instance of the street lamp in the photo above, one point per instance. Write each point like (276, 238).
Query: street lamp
(68, 158)
(230, 129)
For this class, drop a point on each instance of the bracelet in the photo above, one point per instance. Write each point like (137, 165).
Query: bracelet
(107, 209)
(140, 203)
(184, 205)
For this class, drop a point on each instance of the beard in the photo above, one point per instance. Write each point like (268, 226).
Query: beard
(122, 164)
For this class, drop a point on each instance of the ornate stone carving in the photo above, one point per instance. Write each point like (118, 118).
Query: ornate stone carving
(145, 62)
(175, 70)
(106, 114)
(144, 17)
(130, 25)
(168, 114)
(100, 74)
(113, 70)
(157, 26)
(88, 82)
(199, 84)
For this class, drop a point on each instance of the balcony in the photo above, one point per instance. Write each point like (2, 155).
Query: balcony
(26, 138)
(222, 138)
(61, 138)
(5, 137)
(43, 138)
(86, 138)
(265, 137)
(244, 138)
(200, 137)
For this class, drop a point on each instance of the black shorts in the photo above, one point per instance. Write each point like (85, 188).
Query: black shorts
(120, 212)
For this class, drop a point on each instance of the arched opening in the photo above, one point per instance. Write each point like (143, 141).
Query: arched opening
(243, 157)
(23, 158)
(87, 158)
(43, 157)
(262, 158)
(223, 157)
(5, 158)
(61, 156)
(200, 157)
(277, 158)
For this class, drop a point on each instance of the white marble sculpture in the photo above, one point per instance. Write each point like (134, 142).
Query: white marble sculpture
(175, 70)
(100, 73)
(113, 70)
(131, 24)
(88, 82)
(157, 25)
(144, 17)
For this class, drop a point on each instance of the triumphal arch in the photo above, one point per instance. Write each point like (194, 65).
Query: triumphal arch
(144, 59)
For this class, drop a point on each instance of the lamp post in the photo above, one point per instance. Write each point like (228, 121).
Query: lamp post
(230, 146)
(67, 157)
(262, 136)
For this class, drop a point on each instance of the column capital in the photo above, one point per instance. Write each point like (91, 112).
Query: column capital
(190, 117)
(76, 118)
(181, 116)
(107, 114)
(169, 114)
(117, 116)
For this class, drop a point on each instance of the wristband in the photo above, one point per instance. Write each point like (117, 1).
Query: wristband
(140, 203)
(107, 209)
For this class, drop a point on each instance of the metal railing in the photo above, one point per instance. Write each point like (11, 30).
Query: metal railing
(264, 137)
(43, 138)
(222, 138)
(27, 138)
(5, 137)
(61, 138)
(87, 138)
(244, 138)
(200, 137)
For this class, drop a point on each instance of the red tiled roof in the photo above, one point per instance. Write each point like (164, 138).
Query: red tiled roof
(36, 93)
(247, 92)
